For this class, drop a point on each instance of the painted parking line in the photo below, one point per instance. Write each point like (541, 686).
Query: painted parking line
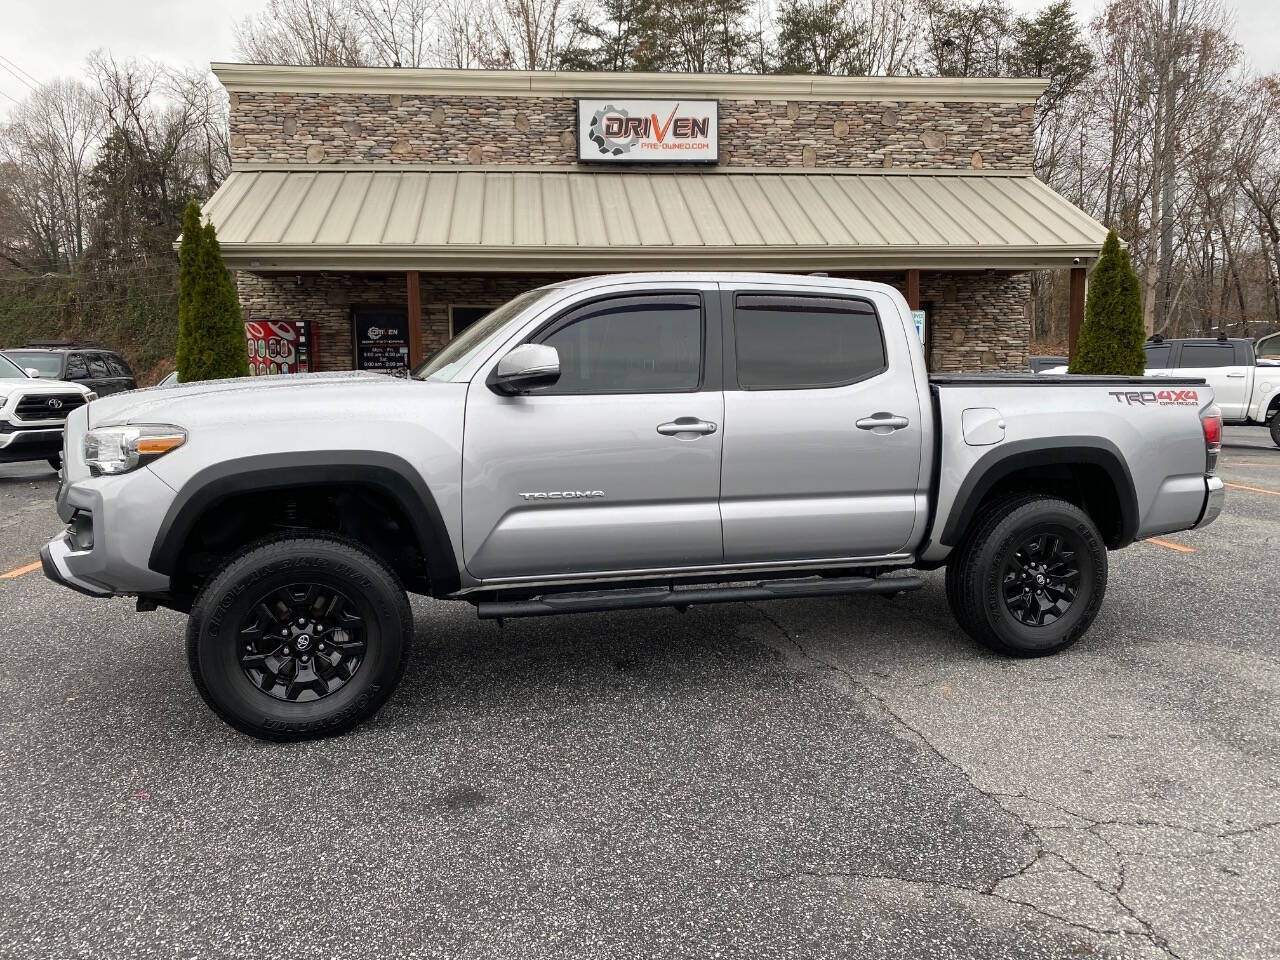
(1170, 545)
(30, 567)
(1245, 486)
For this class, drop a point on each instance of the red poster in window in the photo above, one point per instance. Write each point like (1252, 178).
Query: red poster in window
(277, 346)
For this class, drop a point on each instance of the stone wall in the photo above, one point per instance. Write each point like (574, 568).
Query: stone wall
(979, 319)
(316, 128)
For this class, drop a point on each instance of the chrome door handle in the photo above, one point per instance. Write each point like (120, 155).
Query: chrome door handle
(686, 425)
(883, 422)
(1236, 376)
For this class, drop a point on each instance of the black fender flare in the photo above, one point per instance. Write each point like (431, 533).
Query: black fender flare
(384, 472)
(1008, 458)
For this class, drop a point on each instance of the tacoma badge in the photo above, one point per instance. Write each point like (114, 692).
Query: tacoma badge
(563, 495)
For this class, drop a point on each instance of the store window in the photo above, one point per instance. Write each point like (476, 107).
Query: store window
(461, 317)
(380, 336)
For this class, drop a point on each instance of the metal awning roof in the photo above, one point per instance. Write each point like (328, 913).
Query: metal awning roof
(523, 219)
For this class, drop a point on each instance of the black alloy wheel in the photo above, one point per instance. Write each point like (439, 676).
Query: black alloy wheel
(1029, 576)
(1041, 579)
(302, 641)
(299, 637)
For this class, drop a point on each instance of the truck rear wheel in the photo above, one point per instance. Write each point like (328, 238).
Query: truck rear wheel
(1031, 577)
(299, 638)
(1275, 428)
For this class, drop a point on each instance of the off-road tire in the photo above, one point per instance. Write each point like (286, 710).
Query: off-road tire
(219, 611)
(56, 462)
(976, 574)
(1275, 428)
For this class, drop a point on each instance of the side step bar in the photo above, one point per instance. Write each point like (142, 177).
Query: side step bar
(595, 601)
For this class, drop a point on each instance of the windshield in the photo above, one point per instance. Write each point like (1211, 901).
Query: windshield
(46, 364)
(456, 354)
(9, 370)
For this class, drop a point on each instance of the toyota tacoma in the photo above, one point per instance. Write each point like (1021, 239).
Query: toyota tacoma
(645, 440)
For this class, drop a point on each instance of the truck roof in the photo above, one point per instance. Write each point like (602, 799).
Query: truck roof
(726, 276)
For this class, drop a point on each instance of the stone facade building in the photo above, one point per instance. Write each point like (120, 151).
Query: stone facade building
(410, 201)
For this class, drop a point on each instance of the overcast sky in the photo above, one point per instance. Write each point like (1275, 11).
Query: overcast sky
(50, 38)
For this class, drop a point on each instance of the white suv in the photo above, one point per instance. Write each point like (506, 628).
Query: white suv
(33, 413)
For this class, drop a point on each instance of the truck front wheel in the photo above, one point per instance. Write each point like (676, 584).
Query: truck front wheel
(299, 637)
(1031, 577)
(1275, 428)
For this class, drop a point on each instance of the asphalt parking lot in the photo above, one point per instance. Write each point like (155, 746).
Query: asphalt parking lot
(846, 777)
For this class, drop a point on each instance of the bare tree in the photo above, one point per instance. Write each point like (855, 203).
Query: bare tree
(48, 149)
(400, 32)
(526, 34)
(458, 33)
(322, 33)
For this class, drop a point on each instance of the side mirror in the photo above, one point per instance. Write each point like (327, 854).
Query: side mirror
(527, 366)
(32, 372)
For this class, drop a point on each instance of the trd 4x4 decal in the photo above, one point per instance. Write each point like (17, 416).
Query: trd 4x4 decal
(1160, 398)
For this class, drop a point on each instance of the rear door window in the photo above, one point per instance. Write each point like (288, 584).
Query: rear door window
(117, 366)
(98, 366)
(1199, 355)
(794, 342)
(77, 368)
(1158, 355)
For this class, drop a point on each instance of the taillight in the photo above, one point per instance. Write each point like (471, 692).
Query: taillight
(1211, 422)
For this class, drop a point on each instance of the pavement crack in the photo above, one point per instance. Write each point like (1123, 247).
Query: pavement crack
(1042, 850)
(1044, 913)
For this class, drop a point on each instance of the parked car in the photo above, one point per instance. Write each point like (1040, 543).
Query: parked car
(100, 370)
(33, 413)
(649, 440)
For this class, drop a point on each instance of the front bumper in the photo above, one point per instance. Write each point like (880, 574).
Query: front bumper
(53, 560)
(40, 443)
(113, 523)
(1215, 497)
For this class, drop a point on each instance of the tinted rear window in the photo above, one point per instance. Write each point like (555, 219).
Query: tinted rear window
(1158, 355)
(789, 342)
(1207, 355)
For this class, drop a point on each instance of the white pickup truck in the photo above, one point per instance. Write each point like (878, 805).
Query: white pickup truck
(1245, 376)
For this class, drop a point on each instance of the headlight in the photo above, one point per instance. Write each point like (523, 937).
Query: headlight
(90, 396)
(109, 450)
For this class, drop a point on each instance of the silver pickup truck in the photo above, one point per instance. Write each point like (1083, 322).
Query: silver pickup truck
(648, 440)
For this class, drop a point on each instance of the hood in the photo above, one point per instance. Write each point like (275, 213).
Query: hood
(30, 385)
(222, 399)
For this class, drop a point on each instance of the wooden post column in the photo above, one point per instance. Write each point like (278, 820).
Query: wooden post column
(913, 289)
(1075, 316)
(414, 309)
(912, 293)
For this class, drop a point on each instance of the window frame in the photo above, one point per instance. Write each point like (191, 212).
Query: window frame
(730, 319)
(708, 373)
